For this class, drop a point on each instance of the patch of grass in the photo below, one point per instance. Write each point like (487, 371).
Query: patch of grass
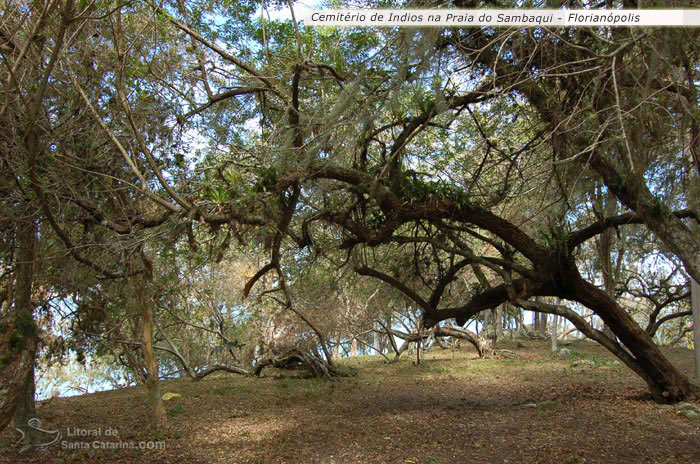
(177, 410)
(362, 362)
(597, 361)
(486, 365)
(434, 369)
(285, 384)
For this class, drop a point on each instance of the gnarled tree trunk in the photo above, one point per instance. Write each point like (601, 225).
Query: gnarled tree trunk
(297, 359)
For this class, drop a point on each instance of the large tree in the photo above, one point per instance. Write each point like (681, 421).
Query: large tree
(438, 142)
(454, 165)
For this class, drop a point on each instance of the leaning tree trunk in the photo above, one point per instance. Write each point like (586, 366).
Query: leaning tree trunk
(666, 383)
(18, 332)
(391, 339)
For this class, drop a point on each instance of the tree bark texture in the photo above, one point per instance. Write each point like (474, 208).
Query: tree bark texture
(18, 332)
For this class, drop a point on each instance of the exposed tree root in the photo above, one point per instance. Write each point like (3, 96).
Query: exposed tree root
(296, 359)
(217, 368)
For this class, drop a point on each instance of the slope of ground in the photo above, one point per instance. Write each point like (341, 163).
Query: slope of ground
(454, 409)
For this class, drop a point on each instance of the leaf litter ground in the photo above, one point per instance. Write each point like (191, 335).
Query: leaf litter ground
(533, 408)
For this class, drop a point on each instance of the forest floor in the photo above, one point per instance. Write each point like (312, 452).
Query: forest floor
(454, 409)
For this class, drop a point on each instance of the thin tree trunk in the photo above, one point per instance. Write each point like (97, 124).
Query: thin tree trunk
(522, 329)
(419, 350)
(158, 417)
(376, 341)
(151, 362)
(336, 347)
(543, 323)
(555, 323)
(497, 325)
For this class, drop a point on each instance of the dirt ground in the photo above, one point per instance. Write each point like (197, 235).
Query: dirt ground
(455, 409)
